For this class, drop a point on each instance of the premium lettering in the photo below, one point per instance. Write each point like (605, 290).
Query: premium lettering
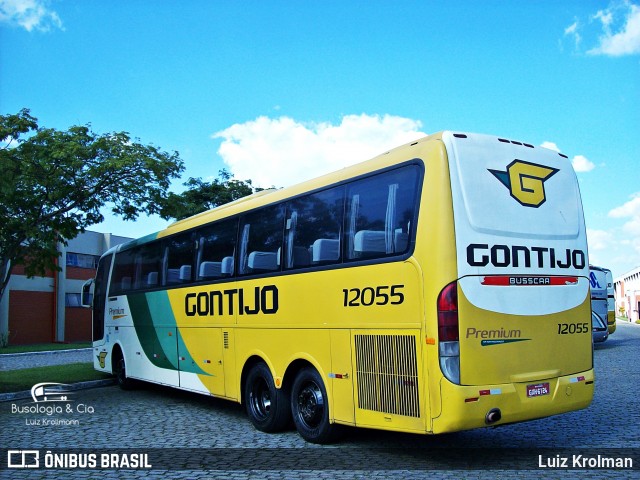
(500, 333)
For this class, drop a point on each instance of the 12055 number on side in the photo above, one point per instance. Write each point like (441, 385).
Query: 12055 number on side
(368, 296)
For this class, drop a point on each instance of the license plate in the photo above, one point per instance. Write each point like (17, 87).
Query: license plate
(538, 389)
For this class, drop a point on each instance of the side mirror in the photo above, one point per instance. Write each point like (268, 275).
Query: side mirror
(87, 294)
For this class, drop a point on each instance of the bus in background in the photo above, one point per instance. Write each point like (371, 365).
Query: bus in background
(601, 283)
(439, 287)
(611, 302)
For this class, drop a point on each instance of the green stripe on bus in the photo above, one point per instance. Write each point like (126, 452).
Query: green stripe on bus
(148, 333)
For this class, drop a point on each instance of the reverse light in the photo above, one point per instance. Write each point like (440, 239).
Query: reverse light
(448, 335)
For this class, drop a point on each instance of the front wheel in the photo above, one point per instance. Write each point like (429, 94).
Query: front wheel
(121, 374)
(310, 408)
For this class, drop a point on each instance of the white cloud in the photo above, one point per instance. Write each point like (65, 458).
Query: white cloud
(630, 210)
(601, 245)
(582, 164)
(621, 26)
(550, 146)
(29, 14)
(628, 236)
(572, 32)
(282, 151)
(599, 240)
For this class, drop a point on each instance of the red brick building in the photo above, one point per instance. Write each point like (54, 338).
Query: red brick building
(47, 309)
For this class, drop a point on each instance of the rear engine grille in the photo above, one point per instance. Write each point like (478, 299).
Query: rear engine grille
(387, 374)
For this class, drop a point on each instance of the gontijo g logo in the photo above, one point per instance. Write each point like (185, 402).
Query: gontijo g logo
(525, 181)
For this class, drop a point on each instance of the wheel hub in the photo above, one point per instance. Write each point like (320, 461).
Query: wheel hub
(311, 404)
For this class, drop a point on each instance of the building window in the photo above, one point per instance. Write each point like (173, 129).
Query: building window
(82, 260)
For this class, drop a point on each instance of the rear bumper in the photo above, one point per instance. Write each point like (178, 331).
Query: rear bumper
(466, 407)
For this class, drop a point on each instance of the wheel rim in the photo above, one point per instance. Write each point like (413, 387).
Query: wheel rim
(260, 399)
(311, 404)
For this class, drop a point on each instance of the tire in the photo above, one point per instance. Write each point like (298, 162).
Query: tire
(310, 408)
(124, 382)
(267, 406)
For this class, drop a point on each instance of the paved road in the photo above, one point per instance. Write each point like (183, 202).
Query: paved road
(192, 430)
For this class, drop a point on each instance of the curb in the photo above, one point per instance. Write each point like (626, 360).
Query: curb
(7, 397)
(46, 352)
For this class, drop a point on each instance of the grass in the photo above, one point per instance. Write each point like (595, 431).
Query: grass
(24, 379)
(43, 347)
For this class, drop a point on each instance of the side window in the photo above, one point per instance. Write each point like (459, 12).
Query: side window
(123, 273)
(261, 234)
(216, 249)
(148, 266)
(379, 213)
(312, 234)
(179, 259)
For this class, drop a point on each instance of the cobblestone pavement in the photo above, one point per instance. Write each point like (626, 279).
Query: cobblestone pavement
(42, 359)
(193, 430)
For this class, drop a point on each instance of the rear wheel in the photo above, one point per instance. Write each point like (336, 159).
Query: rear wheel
(310, 408)
(267, 406)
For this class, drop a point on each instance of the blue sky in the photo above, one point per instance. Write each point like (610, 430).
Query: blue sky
(279, 91)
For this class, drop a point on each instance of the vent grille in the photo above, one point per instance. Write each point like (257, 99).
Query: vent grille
(387, 374)
(225, 339)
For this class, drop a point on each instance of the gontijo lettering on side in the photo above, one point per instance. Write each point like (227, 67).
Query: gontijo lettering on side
(228, 302)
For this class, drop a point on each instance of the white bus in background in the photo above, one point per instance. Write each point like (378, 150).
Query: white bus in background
(600, 279)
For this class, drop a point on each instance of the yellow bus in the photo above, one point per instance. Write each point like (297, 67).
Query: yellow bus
(441, 286)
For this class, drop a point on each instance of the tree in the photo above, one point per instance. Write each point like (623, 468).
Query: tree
(201, 196)
(53, 185)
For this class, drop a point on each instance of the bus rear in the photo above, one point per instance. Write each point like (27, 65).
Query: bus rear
(514, 325)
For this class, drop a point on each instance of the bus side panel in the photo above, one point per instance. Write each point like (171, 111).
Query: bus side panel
(155, 328)
(435, 259)
(342, 380)
(202, 366)
(205, 316)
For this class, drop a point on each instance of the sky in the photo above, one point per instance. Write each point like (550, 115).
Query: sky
(281, 91)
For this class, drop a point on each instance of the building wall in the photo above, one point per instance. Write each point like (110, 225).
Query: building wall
(30, 317)
(627, 293)
(46, 309)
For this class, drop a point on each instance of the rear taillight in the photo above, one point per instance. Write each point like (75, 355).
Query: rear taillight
(448, 336)
(448, 313)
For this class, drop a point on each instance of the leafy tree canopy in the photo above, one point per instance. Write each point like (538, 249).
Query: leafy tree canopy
(201, 196)
(53, 185)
